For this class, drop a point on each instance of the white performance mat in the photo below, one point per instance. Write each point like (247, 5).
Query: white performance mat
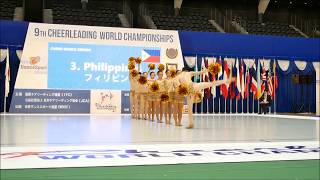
(126, 155)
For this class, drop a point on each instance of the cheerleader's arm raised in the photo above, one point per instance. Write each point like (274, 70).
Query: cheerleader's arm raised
(199, 72)
(224, 81)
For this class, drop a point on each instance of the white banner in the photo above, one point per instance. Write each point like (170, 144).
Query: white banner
(89, 50)
(125, 155)
(81, 61)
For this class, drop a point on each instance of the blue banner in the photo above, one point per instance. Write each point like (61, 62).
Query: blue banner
(87, 66)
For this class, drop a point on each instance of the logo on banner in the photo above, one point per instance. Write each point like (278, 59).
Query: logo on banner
(85, 156)
(172, 53)
(34, 60)
(158, 153)
(105, 101)
(151, 55)
(33, 64)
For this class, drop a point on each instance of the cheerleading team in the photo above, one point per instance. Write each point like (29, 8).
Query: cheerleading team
(160, 97)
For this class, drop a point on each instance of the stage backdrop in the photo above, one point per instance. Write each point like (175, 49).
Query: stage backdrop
(82, 69)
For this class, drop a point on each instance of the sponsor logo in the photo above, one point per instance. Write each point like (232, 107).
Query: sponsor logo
(135, 153)
(32, 63)
(34, 60)
(105, 102)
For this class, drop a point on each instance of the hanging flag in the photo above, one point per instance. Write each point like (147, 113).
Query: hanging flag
(232, 87)
(272, 81)
(254, 83)
(263, 74)
(205, 76)
(275, 77)
(197, 77)
(7, 75)
(247, 89)
(270, 86)
(238, 81)
(263, 79)
(242, 76)
(224, 87)
(203, 66)
(259, 94)
(220, 74)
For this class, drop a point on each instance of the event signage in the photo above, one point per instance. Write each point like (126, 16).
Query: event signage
(86, 59)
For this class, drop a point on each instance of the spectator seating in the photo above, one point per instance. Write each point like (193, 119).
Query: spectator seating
(165, 19)
(268, 28)
(7, 8)
(71, 13)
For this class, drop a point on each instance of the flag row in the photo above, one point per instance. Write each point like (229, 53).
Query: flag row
(255, 76)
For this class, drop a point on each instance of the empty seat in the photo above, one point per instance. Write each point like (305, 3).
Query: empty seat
(98, 13)
(268, 28)
(164, 19)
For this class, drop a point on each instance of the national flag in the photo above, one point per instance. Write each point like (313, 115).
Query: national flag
(263, 74)
(242, 78)
(224, 87)
(197, 77)
(272, 82)
(232, 90)
(232, 87)
(259, 94)
(276, 83)
(238, 81)
(270, 86)
(247, 89)
(254, 83)
(205, 76)
(220, 74)
(7, 75)
(263, 78)
(150, 55)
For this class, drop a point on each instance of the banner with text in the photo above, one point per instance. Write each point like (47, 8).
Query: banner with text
(86, 61)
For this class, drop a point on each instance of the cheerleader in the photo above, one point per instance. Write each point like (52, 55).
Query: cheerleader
(132, 94)
(143, 88)
(152, 97)
(162, 97)
(133, 75)
(170, 83)
(178, 101)
(169, 102)
(194, 89)
(132, 79)
(136, 97)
